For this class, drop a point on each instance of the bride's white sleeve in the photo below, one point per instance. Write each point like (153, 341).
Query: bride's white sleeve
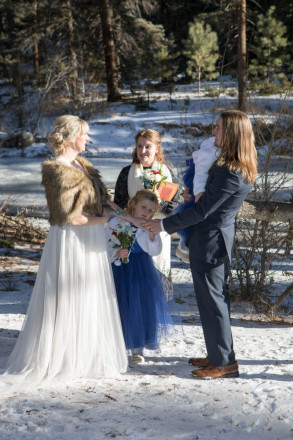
(110, 226)
(151, 247)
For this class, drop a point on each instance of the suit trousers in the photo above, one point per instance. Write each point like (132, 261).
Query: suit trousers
(213, 299)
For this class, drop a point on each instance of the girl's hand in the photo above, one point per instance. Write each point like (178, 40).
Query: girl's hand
(122, 253)
(186, 196)
(152, 236)
(197, 197)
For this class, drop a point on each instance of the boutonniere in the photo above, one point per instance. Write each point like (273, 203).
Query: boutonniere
(218, 163)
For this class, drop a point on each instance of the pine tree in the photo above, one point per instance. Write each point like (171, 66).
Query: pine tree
(109, 50)
(164, 60)
(151, 42)
(201, 51)
(269, 47)
(138, 39)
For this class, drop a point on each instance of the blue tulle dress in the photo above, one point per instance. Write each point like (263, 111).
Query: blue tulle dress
(187, 177)
(142, 303)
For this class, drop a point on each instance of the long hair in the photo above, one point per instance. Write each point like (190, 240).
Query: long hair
(143, 194)
(154, 137)
(65, 129)
(237, 143)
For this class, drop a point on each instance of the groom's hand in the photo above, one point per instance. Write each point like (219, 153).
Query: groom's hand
(153, 226)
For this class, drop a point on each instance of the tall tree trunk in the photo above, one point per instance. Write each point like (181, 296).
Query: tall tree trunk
(14, 65)
(36, 46)
(242, 56)
(74, 75)
(19, 85)
(109, 50)
(198, 79)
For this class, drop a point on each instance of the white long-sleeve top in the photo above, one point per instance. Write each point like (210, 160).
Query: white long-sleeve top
(142, 237)
(203, 158)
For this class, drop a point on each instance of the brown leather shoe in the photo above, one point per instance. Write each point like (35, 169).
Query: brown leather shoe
(217, 372)
(199, 362)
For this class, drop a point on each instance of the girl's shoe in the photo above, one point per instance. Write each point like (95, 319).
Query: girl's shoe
(137, 359)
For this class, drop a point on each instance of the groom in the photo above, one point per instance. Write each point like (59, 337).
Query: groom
(211, 239)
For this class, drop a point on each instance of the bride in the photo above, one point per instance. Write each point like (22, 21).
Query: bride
(72, 328)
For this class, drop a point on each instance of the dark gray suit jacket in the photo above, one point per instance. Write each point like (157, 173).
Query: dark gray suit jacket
(213, 217)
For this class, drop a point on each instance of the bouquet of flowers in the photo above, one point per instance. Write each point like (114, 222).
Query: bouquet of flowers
(151, 178)
(123, 237)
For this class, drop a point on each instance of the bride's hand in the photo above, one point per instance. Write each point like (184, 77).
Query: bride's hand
(137, 221)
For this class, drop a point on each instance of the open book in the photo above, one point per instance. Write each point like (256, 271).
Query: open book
(167, 190)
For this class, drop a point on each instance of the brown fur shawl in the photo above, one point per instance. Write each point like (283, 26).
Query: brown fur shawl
(70, 191)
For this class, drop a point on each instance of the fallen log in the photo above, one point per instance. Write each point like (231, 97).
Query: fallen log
(269, 211)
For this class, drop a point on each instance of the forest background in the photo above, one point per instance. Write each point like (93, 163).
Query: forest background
(70, 56)
(60, 46)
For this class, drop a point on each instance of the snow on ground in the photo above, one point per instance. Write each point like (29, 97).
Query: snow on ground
(113, 129)
(159, 400)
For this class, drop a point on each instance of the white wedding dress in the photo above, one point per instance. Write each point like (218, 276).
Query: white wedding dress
(72, 329)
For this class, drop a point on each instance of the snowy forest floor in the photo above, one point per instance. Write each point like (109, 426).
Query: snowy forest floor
(158, 400)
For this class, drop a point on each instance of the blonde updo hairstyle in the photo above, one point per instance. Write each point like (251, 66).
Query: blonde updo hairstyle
(154, 137)
(143, 194)
(65, 129)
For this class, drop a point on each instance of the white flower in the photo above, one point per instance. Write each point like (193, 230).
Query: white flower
(115, 240)
(158, 177)
(149, 175)
(119, 228)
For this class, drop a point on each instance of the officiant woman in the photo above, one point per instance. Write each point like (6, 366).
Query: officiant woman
(148, 155)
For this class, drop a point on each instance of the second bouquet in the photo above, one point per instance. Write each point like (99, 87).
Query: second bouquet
(123, 237)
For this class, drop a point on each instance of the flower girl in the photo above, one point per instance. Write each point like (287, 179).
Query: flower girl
(142, 302)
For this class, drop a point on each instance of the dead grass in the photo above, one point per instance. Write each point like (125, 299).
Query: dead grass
(276, 320)
(19, 230)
